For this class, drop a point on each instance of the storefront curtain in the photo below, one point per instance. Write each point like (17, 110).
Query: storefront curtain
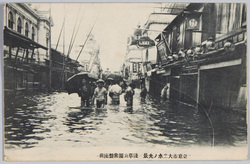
(229, 17)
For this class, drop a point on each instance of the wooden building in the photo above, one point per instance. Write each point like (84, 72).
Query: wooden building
(203, 55)
(27, 53)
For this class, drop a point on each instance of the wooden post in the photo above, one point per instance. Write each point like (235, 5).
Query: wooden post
(10, 52)
(49, 49)
(17, 53)
(63, 73)
(23, 54)
(33, 84)
(32, 53)
(198, 89)
(16, 57)
(27, 55)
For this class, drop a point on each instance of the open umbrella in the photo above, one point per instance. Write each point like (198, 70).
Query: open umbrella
(113, 76)
(75, 82)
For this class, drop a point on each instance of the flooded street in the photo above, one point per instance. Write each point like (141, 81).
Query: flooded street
(57, 121)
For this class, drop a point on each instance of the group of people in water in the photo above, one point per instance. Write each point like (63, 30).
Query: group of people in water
(97, 92)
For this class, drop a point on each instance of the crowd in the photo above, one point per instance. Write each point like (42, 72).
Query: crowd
(96, 93)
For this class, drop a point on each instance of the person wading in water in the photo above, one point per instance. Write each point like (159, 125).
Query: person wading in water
(100, 94)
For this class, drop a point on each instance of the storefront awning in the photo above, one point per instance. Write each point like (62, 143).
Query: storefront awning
(221, 64)
(15, 39)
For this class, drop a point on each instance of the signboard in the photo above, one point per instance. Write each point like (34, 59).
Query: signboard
(162, 53)
(193, 21)
(145, 42)
(135, 67)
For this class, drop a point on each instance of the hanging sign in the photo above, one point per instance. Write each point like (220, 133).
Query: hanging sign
(193, 21)
(145, 42)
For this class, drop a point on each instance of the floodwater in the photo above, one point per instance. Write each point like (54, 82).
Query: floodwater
(57, 120)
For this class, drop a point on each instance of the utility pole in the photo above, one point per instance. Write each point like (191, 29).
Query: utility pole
(63, 73)
(50, 57)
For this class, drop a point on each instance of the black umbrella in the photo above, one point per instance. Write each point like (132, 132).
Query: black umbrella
(113, 76)
(75, 82)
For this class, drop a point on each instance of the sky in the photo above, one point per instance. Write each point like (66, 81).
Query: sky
(114, 23)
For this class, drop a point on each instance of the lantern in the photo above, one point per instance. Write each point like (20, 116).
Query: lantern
(198, 49)
(210, 45)
(229, 46)
(175, 56)
(170, 59)
(190, 52)
(181, 54)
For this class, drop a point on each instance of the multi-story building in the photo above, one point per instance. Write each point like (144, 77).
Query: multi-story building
(138, 44)
(26, 43)
(141, 53)
(29, 63)
(89, 57)
(202, 55)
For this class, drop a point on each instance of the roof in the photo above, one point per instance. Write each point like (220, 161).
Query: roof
(179, 18)
(15, 39)
(158, 20)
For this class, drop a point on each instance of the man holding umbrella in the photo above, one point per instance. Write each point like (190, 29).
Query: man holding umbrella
(100, 94)
(85, 93)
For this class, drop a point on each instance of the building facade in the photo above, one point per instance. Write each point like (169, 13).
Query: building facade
(29, 63)
(137, 56)
(26, 45)
(202, 56)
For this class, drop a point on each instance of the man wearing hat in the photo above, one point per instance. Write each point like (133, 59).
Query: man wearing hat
(100, 94)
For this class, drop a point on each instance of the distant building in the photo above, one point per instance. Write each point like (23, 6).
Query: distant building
(137, 56)
(89, 58)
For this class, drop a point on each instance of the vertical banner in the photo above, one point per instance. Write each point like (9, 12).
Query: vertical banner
(162, 52)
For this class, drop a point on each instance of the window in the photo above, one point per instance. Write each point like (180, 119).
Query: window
(19, 25)
(26, 29)
(33, 33)
(135, 67)
(11, 20)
